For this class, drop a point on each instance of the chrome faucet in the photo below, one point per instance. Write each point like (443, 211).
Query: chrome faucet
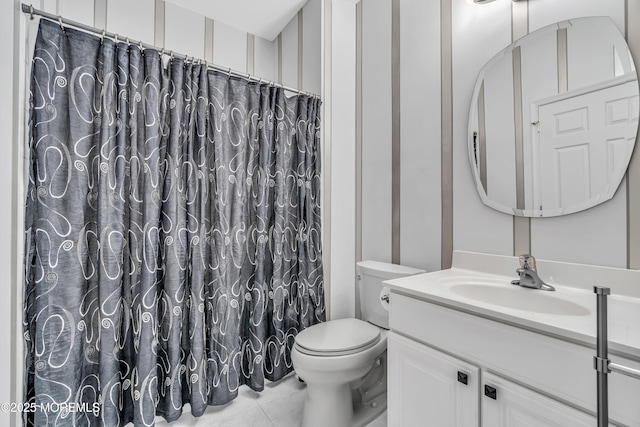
(529, 275)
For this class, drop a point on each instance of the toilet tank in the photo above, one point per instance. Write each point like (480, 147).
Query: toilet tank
(371, 274)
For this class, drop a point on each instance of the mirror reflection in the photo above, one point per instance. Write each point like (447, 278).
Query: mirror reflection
(554, 118)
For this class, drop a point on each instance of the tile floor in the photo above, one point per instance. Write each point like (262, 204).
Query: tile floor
(278, 405)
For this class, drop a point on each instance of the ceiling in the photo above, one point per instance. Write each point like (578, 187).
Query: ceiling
(264, 18)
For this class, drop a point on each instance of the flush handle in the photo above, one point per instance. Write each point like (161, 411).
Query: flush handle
(385, 298)
(490, 392)
(463, 378)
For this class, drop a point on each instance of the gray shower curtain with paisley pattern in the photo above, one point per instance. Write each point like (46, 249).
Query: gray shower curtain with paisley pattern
(173, 244)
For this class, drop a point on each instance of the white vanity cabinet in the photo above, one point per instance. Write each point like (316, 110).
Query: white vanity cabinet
(506, 404)
(539, 380)
(429, 388)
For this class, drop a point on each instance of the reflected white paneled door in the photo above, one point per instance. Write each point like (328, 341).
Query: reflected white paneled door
(427, 387)
(576, 134)
(511, 405)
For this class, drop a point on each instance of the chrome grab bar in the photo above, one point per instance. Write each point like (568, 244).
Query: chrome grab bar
(624, 370)
(601, 362)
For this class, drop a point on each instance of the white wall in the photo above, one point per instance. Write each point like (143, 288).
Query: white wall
(475, 227)
(129, 18)
(289, 40)
(311, 47)
(420, 134)
(191, 42)
(596, 236)
(339, 98)
(376, 130)
(184, 32)
(478, 31)
(9, 311)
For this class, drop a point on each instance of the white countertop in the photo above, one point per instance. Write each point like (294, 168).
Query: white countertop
(569, 312)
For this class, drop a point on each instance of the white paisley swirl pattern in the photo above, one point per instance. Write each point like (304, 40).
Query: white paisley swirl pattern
(173, 246)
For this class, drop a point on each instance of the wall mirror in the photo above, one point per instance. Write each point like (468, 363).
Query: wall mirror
(554, 118)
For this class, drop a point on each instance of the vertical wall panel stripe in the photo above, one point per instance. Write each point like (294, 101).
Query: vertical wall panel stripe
(447, 131)
(633, 173)
(518, 136)
(208, 39)
(519, 19)
(158, 37)
(521, 225)
(300, 47)
(358, 135)
(251, 49)
(395, 131)
(280, 58)
(521, 235)
(563, 68)
(20, 94)
(358, 144)
(100, 13)
(326, 137)
(481, 140)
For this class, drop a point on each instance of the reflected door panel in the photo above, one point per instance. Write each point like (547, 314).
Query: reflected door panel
(577, 82)
(583, 142)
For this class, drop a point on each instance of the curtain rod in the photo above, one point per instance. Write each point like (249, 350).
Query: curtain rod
(29, 9)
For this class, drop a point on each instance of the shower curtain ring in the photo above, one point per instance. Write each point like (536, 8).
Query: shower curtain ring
(31, 12)
(116, 39)
(60, 22)
(128, 44)
(162, 53)
(102, 36)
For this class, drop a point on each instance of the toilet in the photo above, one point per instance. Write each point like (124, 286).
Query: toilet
(344, 361)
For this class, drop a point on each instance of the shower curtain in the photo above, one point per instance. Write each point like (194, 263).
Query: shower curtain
(173, 244)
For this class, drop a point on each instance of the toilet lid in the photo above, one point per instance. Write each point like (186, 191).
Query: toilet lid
(338, 336)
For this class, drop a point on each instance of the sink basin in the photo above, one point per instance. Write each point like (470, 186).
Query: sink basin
(519, 298)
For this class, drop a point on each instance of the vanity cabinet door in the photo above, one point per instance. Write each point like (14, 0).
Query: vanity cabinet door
(506, 404)
(429, 388)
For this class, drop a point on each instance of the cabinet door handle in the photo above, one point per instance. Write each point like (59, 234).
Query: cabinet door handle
(490, 392)
(463, 378)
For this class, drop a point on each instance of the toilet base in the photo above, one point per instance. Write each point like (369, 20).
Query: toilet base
(370, 393)
(324, 407)
(352, 404)
(327, 405)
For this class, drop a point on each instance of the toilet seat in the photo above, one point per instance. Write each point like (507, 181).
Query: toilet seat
(337, 338)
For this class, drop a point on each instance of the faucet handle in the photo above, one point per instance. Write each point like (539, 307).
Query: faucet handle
(528, 262)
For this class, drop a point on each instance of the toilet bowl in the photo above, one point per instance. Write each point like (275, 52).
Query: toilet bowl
(344, 361)
(332, 374)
